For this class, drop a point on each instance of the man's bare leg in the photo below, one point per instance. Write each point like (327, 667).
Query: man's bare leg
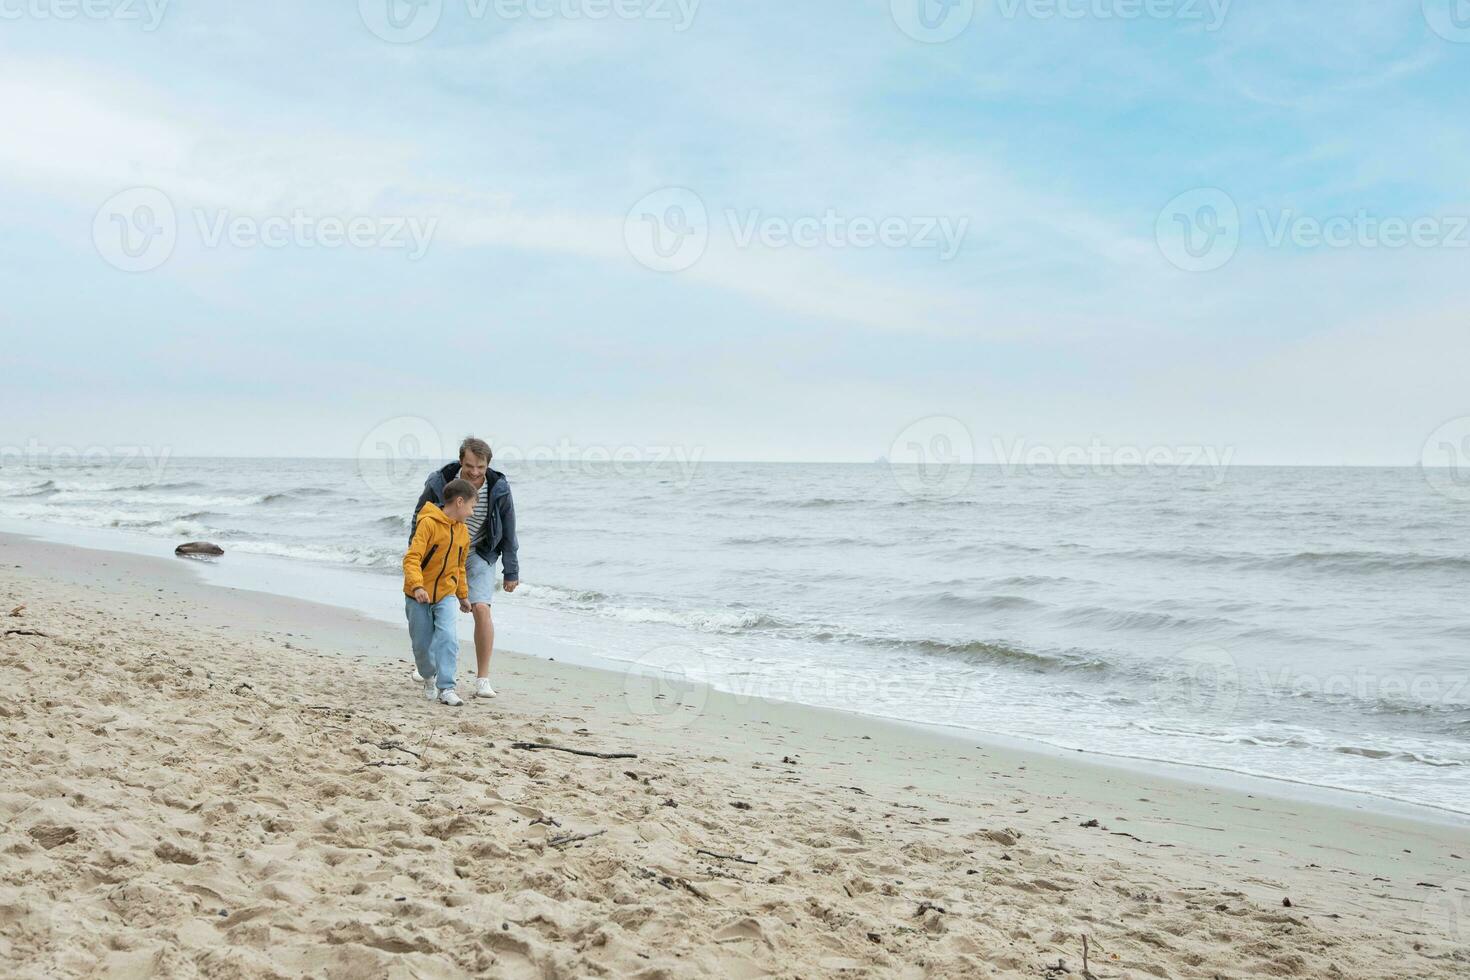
(484, 637)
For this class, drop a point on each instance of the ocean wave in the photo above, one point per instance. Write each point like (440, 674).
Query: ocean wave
(130, 503)
(952, 602)
(576, 600)
(46, 489)
(791, 540)
(1398, 755)
(986, 652)
(124, 487)
(704, 621)
(1133, 619)
(1347, 562)
(745, 622)
(357, 557)
(1302, 740)
(814, 502)
(95, 488)
(288, 496)
(395, 522)
(1031, 581)
(1367, 561)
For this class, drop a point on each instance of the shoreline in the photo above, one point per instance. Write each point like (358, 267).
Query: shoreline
(263, 575)
(266, 731)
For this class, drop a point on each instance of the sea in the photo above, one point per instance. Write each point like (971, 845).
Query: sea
(1304, 625)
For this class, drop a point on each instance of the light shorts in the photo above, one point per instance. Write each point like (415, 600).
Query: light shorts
(481, 574)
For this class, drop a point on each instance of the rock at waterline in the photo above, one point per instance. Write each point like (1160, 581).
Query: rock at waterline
(195, 549)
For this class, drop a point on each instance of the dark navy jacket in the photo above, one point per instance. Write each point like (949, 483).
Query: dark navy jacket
(498, 536)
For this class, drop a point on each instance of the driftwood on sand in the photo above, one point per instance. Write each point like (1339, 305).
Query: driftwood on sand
(534, 746)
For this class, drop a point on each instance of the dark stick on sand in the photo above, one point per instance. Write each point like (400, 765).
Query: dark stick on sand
(724, 857)
(390, 745)
(533, 746)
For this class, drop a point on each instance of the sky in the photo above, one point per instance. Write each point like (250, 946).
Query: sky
(829, 230)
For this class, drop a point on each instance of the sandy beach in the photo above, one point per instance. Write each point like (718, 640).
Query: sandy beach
(202, 781)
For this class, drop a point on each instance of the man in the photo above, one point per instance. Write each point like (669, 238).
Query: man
(492, 527)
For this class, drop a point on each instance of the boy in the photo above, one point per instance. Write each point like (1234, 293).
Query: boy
(434, 582)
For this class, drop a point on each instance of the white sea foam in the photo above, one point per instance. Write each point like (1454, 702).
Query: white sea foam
(1302, 624)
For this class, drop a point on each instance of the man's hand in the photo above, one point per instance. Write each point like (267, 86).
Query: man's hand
(421, 595)
(510, 584)
(464, 605)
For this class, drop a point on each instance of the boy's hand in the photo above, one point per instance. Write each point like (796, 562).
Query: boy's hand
(464, 605)
(421, 595)
(510, 584)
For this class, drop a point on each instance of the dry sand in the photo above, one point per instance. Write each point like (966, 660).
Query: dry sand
(207, 782)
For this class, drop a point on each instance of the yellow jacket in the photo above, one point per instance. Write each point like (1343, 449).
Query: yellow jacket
(435, 558)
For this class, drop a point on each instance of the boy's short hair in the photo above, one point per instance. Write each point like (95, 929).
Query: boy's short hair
(459, 490)
(479, 447)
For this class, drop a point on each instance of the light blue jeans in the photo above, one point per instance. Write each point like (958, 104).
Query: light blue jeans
(432, 629)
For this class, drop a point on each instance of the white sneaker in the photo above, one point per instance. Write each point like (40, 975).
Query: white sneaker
(416, 676)
(431, 690)
(483, 688)
(447, 696)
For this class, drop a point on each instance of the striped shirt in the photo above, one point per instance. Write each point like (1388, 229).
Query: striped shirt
(482, 511)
